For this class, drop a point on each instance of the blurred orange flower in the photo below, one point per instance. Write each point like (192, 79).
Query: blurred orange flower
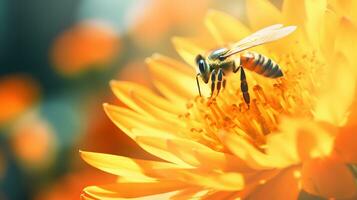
(164, 16)
(69, 187)
(33, 141)
(86, 45)
(17, 93)
(296, 135)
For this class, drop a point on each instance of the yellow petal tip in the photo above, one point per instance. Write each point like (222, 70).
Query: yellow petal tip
(156, 56)
(175, 40)
(148, 60)
(112, 83)
(106, 106)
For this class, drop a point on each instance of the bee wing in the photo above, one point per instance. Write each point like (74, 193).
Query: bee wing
(266, 29)
(265, 35)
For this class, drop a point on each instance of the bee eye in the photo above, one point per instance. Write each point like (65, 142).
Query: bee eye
(201, 66)
(201, 63)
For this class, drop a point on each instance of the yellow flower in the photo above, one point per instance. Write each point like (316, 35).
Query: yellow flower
(294, 135)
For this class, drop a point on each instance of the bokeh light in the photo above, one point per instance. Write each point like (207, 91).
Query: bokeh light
(33, 141)
(69, 187)
(166, 17)
(90, 44)
(17, 93)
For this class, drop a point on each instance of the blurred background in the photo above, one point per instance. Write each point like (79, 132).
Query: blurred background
(56, 59)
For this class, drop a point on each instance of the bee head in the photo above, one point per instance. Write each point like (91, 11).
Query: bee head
(203, 68)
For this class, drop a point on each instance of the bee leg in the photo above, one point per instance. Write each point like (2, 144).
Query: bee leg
(213, 81)
(235, 68)
(244, 87)
(224, 82)
(198, 85)
(220, 79)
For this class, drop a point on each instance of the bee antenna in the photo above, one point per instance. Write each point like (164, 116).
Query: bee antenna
(198, 85)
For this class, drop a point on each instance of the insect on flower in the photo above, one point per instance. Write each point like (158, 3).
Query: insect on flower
(216, 64)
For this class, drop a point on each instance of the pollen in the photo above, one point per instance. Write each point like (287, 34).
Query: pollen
(291, 95)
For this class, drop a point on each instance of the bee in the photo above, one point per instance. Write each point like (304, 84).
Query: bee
(220, 62)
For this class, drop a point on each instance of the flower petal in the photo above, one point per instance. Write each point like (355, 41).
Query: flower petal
(329, 178)
(287, 181)
(308, 15)
(262, 13)
(286, 148)
(146, 103)
(315, 13)
(195, 154)
(159, 148)
(128, 120)
(340, 86)
(130, 169)
(345, 8)
(156, 112)
(132, 190)
(219, 195)
(189, 193)
(346, 35)
(244, 150)
(345, 144)
(183, 85)
(141, 170)
(227, 181)
(86, 197)
(124, 91)
(294, 11)
(225, 28)
(331, 23)
(174, 64)
(298, 140)
(187, 50)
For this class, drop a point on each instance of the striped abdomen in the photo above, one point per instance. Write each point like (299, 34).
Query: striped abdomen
(260, 64)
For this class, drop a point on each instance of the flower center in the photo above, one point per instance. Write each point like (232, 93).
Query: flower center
(290, 95)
